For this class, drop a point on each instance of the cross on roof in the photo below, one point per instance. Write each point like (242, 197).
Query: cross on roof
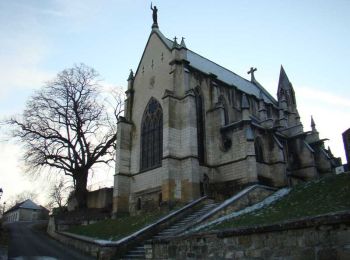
(251, 71)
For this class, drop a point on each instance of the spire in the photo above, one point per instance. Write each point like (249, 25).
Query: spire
(182, 44)
(131, 75)
(283, 83)
(313, 125)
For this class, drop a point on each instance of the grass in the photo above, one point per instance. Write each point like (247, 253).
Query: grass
(114, 229)
(326, 195)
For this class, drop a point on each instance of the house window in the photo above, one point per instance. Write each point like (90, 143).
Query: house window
(152, 135)
(200, 125)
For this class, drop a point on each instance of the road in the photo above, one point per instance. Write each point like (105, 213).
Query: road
(28, 242)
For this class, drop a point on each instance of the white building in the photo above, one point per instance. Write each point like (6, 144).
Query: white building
(26, 211)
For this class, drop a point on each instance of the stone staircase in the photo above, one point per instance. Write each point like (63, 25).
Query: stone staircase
(176, 228)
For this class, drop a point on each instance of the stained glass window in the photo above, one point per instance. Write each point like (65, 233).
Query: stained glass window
(152, 135)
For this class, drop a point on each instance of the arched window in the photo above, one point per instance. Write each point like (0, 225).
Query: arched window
(259, 155)
(200, 125)
(152, 135)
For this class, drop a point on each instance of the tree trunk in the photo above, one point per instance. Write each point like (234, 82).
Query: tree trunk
(80, 177)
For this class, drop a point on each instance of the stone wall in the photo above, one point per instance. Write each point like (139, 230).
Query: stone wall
(254, 195)
(100, 199)
(323, 237)
(105, 249)
(97, 199)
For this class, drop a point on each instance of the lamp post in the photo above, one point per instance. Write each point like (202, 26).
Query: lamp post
(3, 208)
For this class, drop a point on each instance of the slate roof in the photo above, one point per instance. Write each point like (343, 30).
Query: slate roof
(209, 67)
(27, 204)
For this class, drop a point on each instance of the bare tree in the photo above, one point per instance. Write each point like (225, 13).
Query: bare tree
(66, 127)
(59, 194)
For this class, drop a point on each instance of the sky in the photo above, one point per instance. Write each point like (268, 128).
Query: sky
(310, 39)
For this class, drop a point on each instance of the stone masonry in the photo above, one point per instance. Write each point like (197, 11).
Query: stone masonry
(216, 132)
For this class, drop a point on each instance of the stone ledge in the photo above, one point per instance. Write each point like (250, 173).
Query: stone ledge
(315, 221)
(99, 247)
(342, 217)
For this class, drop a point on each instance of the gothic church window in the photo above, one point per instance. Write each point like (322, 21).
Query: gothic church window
(258, 150)
(200, 126)
(152, 135)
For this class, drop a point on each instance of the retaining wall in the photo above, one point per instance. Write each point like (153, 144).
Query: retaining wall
(322, 237)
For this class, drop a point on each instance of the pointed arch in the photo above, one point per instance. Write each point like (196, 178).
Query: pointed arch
(259, 155)
(152, 135)
(200, 125)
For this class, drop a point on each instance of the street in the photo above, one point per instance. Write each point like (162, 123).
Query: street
(27, 241)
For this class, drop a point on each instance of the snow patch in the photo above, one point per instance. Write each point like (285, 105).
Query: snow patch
(268, 201)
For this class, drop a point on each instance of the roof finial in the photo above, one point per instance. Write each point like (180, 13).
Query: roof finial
(251, 72)
(154, 16)
(182, 44)
(313, 125)
(131, 75)
(175, 44)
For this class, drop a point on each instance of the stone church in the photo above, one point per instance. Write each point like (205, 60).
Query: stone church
(192, 127)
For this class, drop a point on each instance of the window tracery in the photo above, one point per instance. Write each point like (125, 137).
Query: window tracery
(152, 135)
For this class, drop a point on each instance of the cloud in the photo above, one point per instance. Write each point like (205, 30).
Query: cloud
(330, 112)
(13, 181)
(23, 50)
(323, 97)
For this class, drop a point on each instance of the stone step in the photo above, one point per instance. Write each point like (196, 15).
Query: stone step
(182, 223)
(172, 229)
(177, 227)
(156, 237)
(137, 250)
(135, 253)
(166, 233)
(130, 256)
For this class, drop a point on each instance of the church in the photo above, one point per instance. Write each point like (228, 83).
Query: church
(193, 128)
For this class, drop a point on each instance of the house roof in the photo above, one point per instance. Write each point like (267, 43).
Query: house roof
(27, 204)
(209, 67)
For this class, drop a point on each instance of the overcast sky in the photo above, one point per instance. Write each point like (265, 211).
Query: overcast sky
(310, 39)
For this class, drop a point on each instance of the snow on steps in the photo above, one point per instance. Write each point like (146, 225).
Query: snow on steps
(267, 201)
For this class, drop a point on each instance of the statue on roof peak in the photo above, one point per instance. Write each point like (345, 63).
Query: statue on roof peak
(154, 15)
